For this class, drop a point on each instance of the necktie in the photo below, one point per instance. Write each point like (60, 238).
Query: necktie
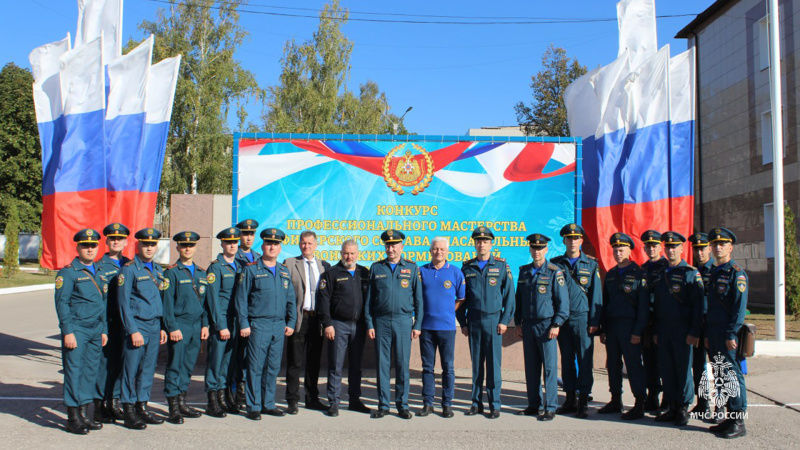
(312, 284)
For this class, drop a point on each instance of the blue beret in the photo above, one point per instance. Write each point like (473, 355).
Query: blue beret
(618, 239)
(392, 236)
(86, 236)
(721, 234)
(482, 233)
(116, 229)
(229, 234)
(147, 235)
(572, 230)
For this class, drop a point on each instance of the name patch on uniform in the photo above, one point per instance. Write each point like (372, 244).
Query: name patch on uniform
(82, 279)
(184, 281)
(494, 270)
(448, 284)
(469, 275)
(285, 274)
(404, 283)
(142, 278)
(492, 281)
(261, 275)
(340, 279)
(380, 276)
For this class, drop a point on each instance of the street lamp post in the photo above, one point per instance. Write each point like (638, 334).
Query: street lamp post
(396, 125)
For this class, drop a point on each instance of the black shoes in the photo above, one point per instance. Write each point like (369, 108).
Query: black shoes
(570, 404)
(378, 414)
(239, 398)
(101, 414)
(292, 407)
(147, 417)
(529, 411)
(475, 410)
(315, 405)
(74, 423)
(174, 411)
(333, 410)
(614, 406)
(547, 416)
(425, 411)
(275, 412)
(186, 410)
(735, 430)
(583, 406)
(669, 415)
(131, 418)
(682, 416)
(447, 412)
(651, 403)
(358, 406)
(494, 414)
(213, 408)
(637, 412)
(114, 408)
(255, 415)
(404, 414)
(88, 421)
(701, 407)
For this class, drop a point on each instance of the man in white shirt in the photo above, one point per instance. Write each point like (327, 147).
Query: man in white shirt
(307, 338)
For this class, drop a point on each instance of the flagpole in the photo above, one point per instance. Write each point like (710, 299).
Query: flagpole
(777, 167)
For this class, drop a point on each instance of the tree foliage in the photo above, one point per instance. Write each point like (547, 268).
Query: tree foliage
(312, 94)
(212, 84)
(20, 152)
(11, 252)
(791, 263)
(546, 115)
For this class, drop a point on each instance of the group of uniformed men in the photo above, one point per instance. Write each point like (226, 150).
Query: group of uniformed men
(662, 319)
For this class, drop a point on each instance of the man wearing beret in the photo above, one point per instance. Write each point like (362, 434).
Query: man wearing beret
(701, 253)
(265, 305)
(186, 322)
(80, 299)
(626, 310)
(655, 263)
(394, 317)
(678, 308)
(221, 312)
(484, 317)
(727, 305)
(542, 307)
(139, 286)
(576, 338)
(107, 408)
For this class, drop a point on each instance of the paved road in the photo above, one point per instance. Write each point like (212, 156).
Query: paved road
(32, 414)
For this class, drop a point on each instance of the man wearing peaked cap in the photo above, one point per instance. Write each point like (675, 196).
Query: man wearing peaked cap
(655, 263)
(186, 322)
(484, 317)
(267, 312)
(701, 253)
(678, 310)
(221, 312)
(576, 338)
(245, 255)
(80, 299)
(626, 309)
(393, 314)
(139, 286)
(542, 308)
(108, 375)
(727, 306)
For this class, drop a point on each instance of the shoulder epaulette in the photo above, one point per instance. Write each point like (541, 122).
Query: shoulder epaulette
(409, 261)
(197, 266)
(214, 262)
(284, 265)
(68, 266)
(591, 257)
(552, 266)
(172, 266)
(252, 263)
(691, 267)
(737, 268)
(499, 259)
(129, 263)
(469, 261)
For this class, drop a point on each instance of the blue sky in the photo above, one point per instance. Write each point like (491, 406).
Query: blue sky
(455, 76)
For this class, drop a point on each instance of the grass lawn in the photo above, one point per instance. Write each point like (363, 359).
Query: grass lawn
(765, 326)
(27, 278)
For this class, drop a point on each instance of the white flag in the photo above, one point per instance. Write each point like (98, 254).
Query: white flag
(101, 16)
(637, 29)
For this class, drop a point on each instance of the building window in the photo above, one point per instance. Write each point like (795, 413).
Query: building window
(769, 230)
(763, 42)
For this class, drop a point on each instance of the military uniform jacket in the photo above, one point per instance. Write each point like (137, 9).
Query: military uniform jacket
(262, 295)
(110, 270)
(139, 293)
(583, 284)
(488, 291)
(705, 272)
(727, 298)
(394, 293)
(542, 296)
(220, 304)
(241, 259)
(678, 297)
(341, 296)
(185, 296)
(80, 297)
(626, 296)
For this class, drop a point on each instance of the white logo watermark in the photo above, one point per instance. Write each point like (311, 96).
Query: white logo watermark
(717, 386)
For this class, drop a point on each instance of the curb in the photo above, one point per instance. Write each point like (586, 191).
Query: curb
(32, 288)
(777, 348)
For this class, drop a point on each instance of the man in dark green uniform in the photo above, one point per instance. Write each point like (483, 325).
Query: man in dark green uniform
(265, 305)
(110, 368)
(655, 263)
(484, 318)
(678, 307)
(186, 322)
(221, 312)
(80, 299)
(576, 338)
(139, 286)
(393, 314)
(542, 308)
(727, 305)
(701, 253)
(626, 309)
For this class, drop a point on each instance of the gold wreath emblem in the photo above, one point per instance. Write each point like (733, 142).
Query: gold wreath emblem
(408, 170)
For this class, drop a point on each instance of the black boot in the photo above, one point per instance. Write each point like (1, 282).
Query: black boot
(101, 415)
(186, 410)
(651, 403)
(230, 399)
(213, 408)
(241, 399)
(222, 398)
(637, 412)
(614, 406)
(669, 415)
(132, 420)
(701, 407)
(682, 416)
(83, 414)
(735, 430)
(722, 426)
(665, 404)
(569, 406)
(174, 412)
(146, 416)
(74, 423)
(114, 409)
(583, 406)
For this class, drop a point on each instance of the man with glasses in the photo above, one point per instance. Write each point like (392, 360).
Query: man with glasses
(139, 286)
(80, 298)
(221, 312)
(186, 323)
(107, 408)
(265, 304)
(655, 263)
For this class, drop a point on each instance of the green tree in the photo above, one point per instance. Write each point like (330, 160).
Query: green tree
(212, 84)
(20, 152)
(11, 252)
(791, 263)
(312, 94)
(547, 115)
